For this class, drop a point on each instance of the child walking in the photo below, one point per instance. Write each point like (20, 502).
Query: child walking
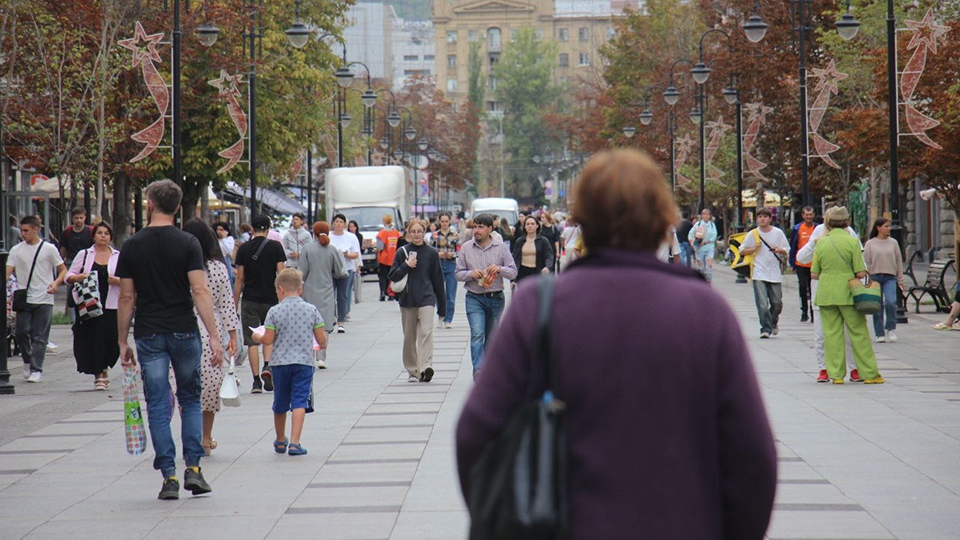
(291, 327)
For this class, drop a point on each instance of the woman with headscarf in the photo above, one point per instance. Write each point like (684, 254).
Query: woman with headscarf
(321, 264)
(653, 452)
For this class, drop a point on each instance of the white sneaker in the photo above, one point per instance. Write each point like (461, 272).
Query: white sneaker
(891, 336)
(26, 371)
(764, 335)
(321, 364)
(447, 325)
(51, 346)
(341, 329)
(776, 330)
(881, 339)
(34, 377)
(412, 379)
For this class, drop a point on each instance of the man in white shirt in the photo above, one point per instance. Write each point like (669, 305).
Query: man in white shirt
(33, 322)
(767, 242)
(295, 240)
(669, 250)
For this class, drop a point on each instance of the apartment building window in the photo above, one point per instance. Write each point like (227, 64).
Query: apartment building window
(564, 60)
(411, 58)
(538, 34)
(473, 35)
(452, 61)
(494, 59)
(584, 59)
(563, 34)
(493, 106)
(452, 85)
(513, 35)
(493, 83)
(493, 39)
(429, 58)
(611, 33)
(584, 33)
(451, 36)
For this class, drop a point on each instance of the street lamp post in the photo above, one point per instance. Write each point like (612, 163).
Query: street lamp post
(5, 387)
(893, 108)
(498, 115)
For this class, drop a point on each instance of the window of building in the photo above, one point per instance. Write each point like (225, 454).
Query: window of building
(429, 58)
(538, 34)
(473, 35)
(513, 35)
(584, 59)
(493, 106)
(452, 61)
(563, 34)
(564, 60)
(451, 36)
(492, 82)
(611, 33)
(493, 39)
(452, 85)
(494, 59)
(584, 33)
(411, 58)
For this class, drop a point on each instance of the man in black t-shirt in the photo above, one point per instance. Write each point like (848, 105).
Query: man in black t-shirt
(73, 240)
(683, 231)
(161, 271)
(258, 262)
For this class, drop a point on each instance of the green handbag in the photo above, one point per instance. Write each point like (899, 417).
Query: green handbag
(866, 296)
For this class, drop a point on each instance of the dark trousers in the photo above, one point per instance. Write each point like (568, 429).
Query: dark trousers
(382, 271)
(803, 276)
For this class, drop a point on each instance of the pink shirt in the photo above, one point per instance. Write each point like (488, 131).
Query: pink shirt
(79, 267)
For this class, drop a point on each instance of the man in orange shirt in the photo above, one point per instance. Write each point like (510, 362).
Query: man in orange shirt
(801, 235)
(386, 250)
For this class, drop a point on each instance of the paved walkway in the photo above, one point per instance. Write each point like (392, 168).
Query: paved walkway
(855, 461)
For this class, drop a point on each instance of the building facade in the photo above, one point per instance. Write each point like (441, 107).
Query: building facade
(579, 27)
(413, 52)
(369, 38)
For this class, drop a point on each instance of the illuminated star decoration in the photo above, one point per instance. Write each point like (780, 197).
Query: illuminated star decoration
(717, 131)
(146, 56)
(756, 118)
(925, 35)
(228, 91)
(827, 86)
(684, 144)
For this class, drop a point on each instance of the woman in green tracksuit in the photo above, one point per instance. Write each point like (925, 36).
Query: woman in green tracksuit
(836, 260)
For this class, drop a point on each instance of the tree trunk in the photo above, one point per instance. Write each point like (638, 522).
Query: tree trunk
(205, 204)
(122, 206)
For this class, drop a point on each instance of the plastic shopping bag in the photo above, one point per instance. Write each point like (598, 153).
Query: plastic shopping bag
(132, 415)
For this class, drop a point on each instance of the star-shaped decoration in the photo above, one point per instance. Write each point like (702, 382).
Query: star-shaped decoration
(227, 84)
(926, 32)
(828, 78)
(684, 144)
(147, 51)
(755, 110)
(723, 128)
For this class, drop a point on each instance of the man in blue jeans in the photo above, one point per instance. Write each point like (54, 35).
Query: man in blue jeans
(483, 264)
(446, 241)
(161, 271)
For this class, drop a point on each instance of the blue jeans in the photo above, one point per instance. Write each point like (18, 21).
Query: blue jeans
(686, 253)
(483, 314)
(888, 291)
(704, 258)
(344, 289)
(156, 353)
(769, 299)
(449, 267)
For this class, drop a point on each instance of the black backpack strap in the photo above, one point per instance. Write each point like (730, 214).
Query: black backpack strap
(34, 265)
(256, 256)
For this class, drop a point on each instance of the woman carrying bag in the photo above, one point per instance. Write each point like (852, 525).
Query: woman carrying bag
(532, 252)
(95, 343)
(836, 261)
(321, 264)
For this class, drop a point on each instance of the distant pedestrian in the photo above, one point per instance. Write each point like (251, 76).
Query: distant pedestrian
(228, 322)
(447, 241)
(291, 328)
(771, 249)
(320, 265)
(703, 239)
(354, 228)
(423, 295)
(228, 247)
(74, 239)
(35, 262)
(348, 245)
(95, 341)
(161, 273)
(805, 255)
(683, 236)
(801, 235)
(532, 252)
(952, 321)
(295, 239)
(885, 264)
(483, 264)
(679, 453)
(246, 233)
(569, 237)
(258, 262)
(548, 230)
(836, 261)
(387, 240)
(669, 250)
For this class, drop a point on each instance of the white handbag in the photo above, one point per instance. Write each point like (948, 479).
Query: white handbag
(401, 284)
(230, 388)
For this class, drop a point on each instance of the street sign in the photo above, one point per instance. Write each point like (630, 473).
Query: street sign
(37, 178)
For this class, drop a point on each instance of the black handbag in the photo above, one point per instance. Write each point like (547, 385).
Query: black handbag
(518, 487)
(19, 302)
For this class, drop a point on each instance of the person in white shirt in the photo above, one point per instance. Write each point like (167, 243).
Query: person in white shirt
(669, 250)
(805, 256)
(33, 261)
(348, 244)
(767, 243)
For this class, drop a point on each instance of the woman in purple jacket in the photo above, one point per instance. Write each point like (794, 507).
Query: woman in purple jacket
(667, 435)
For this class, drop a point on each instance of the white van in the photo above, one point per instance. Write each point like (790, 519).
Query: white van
(503, 208)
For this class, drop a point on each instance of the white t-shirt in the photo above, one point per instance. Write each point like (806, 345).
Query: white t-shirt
(669, 247)
(766, 266)
(346, 242)
(21, 258)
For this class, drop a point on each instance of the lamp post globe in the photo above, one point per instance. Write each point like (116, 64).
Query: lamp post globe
(848, 26)
(646, 117)
(730, 95)
(207, 34)
(393, 118)
(298, 34)
(695, 115)
(369, 98)
(345, 120)
(755, 29)
(384, 143)
(344, 77)
(701, 73)
(671, 96)
(410, 133)
(629, 131)
(423, 144)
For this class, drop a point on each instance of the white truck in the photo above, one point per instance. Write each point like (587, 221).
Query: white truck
(496, 206)
(365, 195)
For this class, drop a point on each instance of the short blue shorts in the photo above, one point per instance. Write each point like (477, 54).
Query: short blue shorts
(291, 387)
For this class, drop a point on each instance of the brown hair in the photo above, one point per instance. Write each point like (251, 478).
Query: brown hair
(321, 230)
(387, 219)
(290, 279)
(416, 221)
(764, 211)
(623, 202)
(165, 196)
(103, 225)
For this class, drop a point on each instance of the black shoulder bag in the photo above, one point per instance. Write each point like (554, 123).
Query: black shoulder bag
(518, 487)
(20, 295)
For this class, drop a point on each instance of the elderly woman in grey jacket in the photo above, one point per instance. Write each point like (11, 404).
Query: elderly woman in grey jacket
(320, 263)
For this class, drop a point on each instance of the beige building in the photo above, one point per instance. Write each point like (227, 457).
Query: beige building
(579, 27)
